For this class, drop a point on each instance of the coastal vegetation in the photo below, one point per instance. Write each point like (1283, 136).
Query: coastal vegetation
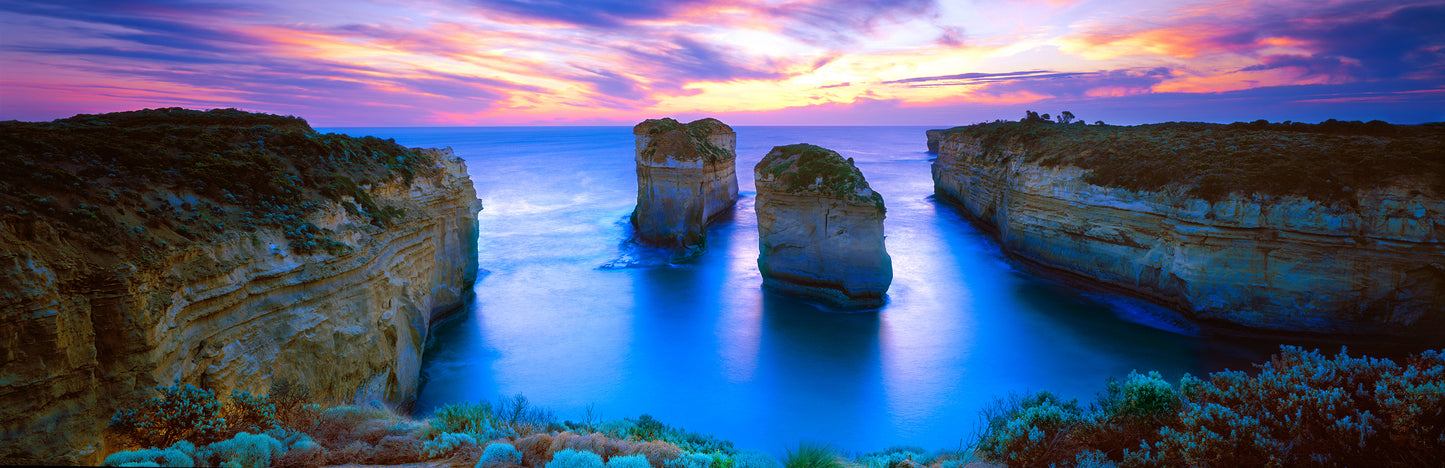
(1301, 408)
(810, 168)
(129, 183)
(1328, 161)
(697, 133)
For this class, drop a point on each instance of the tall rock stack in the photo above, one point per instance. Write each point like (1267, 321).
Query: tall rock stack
(820, 228)
(686, 176)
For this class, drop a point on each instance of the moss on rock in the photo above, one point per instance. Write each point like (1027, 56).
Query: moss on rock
(805, 168)
(690, 142)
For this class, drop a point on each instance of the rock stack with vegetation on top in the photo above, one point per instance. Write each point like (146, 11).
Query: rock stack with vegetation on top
(220, 249)
(820, 228)
(686, 177)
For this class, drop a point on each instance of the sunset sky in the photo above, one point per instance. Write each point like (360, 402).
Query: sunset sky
(765, 62)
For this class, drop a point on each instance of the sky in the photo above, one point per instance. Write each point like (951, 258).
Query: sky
(343, 63)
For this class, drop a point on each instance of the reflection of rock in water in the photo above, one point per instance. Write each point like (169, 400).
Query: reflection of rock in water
(820, 228)
(686, 177)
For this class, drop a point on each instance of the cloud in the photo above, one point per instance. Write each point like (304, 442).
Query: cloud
(607, 14)
(1030, 85)
(1335, 68)
(841, 22)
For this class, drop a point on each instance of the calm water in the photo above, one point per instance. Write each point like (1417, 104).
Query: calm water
(700, 345)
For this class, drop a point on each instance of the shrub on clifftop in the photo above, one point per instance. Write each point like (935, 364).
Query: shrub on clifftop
(1300, 409)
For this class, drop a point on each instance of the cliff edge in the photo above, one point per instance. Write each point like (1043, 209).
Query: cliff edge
(820, 228)
(222, 249)
(686, 177)
(1330, 228)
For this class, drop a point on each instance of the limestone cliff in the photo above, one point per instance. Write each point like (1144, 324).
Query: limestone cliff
(1371, 263)
(820, 228)
(686, 177)
(935, 136)
(96, 311)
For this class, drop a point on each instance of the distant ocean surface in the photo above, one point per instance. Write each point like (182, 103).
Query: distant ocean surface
(701, 346)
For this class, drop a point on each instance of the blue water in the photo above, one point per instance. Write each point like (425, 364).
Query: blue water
(701, 346)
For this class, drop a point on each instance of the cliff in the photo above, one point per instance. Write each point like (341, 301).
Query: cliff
(935, 137)
(686, 177)
(221, 249)
(820, 228)
(1357, 250)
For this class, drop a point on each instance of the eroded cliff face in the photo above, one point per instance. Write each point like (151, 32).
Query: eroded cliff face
(820, 228)
(935, 137)
(81, 337)
(686, 177)
(1283, 263)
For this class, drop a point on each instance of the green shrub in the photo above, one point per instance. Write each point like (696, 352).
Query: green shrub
(569, 458)
(629, 461)
(1301, 409)
(158, 457)
(474, 419)
(1035, 430)
(180, 412)
(244, 412)
(446, 443)
(519, 414)
(812, 455)
(888, 457)
(691, 460)
(499, 454)
(243, 451)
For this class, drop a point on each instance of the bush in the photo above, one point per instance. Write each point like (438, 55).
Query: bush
(1301, 409)
(1033, 430)
(595, 443)
(178, 413)
(474, 419)
(536, 449)
(629, 461)
(157, 457)
(499, 454)
(244, 412)
(812, 455)
(518, 413)
(395, 450)
(691, 460)
(356, 452)
(243, 451)
(446, 443)
(574, 459)
(290, 400)
(889, 457)
(340, 426)
(658, 453)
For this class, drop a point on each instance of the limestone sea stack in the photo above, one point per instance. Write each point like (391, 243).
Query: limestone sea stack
(220, 249)
(686, 177)
(820, 228)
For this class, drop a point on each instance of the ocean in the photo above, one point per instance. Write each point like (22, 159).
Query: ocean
(575, 318)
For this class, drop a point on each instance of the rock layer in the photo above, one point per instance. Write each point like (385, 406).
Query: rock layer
(235, 314)
(1280, 263)
(935, 137)
(820, 228)
(686, 177)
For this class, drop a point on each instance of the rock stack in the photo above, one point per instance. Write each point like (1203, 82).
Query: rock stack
(820, 228)
(686, 176)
